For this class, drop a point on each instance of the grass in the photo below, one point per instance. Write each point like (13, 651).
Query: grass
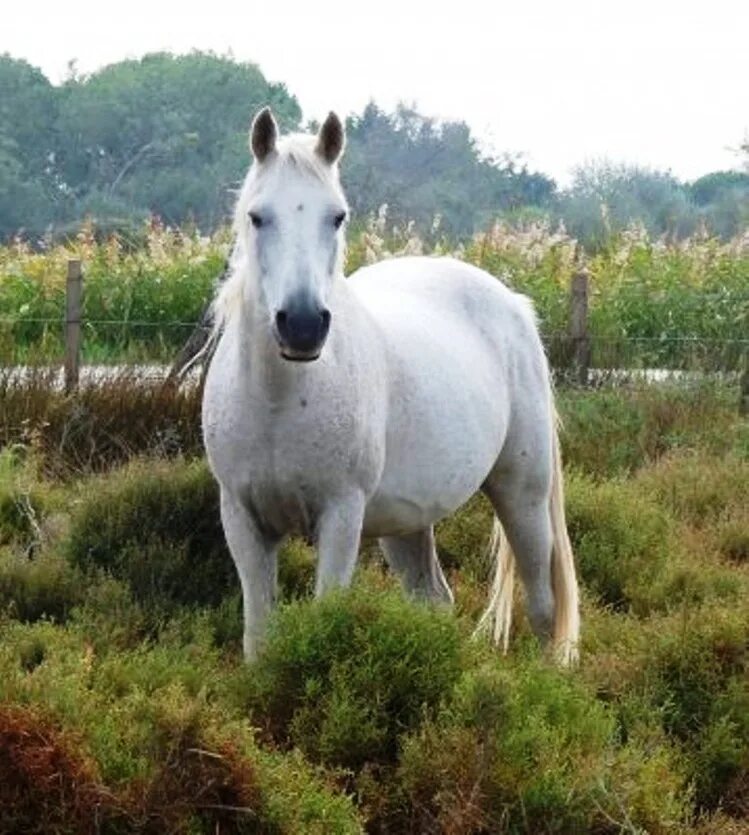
(124, 701)
(654, 303)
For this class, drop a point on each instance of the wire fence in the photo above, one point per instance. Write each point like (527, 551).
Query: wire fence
(591, 358)
(577, 355)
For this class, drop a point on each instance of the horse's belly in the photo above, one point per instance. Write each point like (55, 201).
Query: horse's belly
(440, 449)
(447, 420)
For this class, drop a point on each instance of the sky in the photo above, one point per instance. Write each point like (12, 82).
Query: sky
(656, 83)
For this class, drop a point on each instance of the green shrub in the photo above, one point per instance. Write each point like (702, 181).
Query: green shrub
(523, 748)
(698, 680)
(623, 543)
(684, 675)
(609, 433)
(156, 526)
(21, 501)
(633, 555)
(31, 589)
(463, 538)
(18, 514)
(721, 756)
(699, 488)
(344, 676)
(732, 533)
(296, 569)
(143, 740)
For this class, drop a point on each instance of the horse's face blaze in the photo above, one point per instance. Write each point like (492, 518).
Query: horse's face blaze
(292, 225)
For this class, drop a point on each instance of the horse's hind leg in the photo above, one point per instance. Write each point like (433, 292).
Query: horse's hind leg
(520, 497)
(414, 559)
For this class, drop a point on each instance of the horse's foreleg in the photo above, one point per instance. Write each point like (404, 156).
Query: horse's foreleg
(255, 557)
(414, 559)
(339, 533)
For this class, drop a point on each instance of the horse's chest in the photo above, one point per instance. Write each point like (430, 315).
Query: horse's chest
(288, 462)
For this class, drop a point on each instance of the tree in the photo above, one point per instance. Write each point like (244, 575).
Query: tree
(421, 168)
(165, 134)
(28, 189)
(605, 198)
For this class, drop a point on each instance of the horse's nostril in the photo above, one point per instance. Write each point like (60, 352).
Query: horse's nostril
(281, 319)
(325, 317)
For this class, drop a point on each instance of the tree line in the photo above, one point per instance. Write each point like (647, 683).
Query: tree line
(167, 135)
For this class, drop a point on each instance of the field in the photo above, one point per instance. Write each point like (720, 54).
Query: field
(124, 702)
(125, 706)
(654, 303)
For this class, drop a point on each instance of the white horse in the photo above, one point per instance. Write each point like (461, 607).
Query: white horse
(375, 405)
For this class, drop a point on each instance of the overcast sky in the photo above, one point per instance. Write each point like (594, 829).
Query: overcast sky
(662, 83)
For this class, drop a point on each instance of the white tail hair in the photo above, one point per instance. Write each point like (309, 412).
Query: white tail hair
(497, 619)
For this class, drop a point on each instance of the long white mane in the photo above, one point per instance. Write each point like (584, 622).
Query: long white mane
(295, 152)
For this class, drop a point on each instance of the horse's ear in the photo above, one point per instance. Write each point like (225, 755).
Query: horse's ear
(263, 134)
(331, 139)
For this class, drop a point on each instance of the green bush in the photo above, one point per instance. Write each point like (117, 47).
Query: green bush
(699, 488)
(698, 680)
(623, 543)
(19, 512)
(31, 589)
(634, 556)
(608, 433)
(344, 676)
(156, 526)
(683, 676)
(463, 538)
(522, 748)
(732, 532)
(21, 501)
(142, 741)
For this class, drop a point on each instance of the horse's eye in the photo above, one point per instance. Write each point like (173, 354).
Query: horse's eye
(256, 220)
(338, 219)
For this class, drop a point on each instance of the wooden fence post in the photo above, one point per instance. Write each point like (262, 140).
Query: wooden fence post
(73, 293)
(579, 336)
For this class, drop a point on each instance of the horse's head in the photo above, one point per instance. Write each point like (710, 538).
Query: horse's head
(290, 221)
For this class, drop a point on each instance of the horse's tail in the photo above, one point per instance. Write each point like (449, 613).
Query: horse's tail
(497, 619)
(563, 578)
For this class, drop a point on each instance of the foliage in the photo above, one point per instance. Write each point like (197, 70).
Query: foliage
(158, 528)
(138, 741)
(102, 425)
(618, 430)
(123, 699)
(432, 174)
(654, 303)
(164, 134)
(167, 135)
(524, 744)
(341, 680)
(605, 199)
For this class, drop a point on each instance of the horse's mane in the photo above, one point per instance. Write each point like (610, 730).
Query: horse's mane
(295, 151)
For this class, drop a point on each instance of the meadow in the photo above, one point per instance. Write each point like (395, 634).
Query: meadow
(654, 302)
(125, 705)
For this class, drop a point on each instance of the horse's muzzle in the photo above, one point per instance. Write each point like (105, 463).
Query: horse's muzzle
(301, 332)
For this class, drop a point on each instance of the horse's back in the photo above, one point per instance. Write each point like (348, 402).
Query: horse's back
(454, 312)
